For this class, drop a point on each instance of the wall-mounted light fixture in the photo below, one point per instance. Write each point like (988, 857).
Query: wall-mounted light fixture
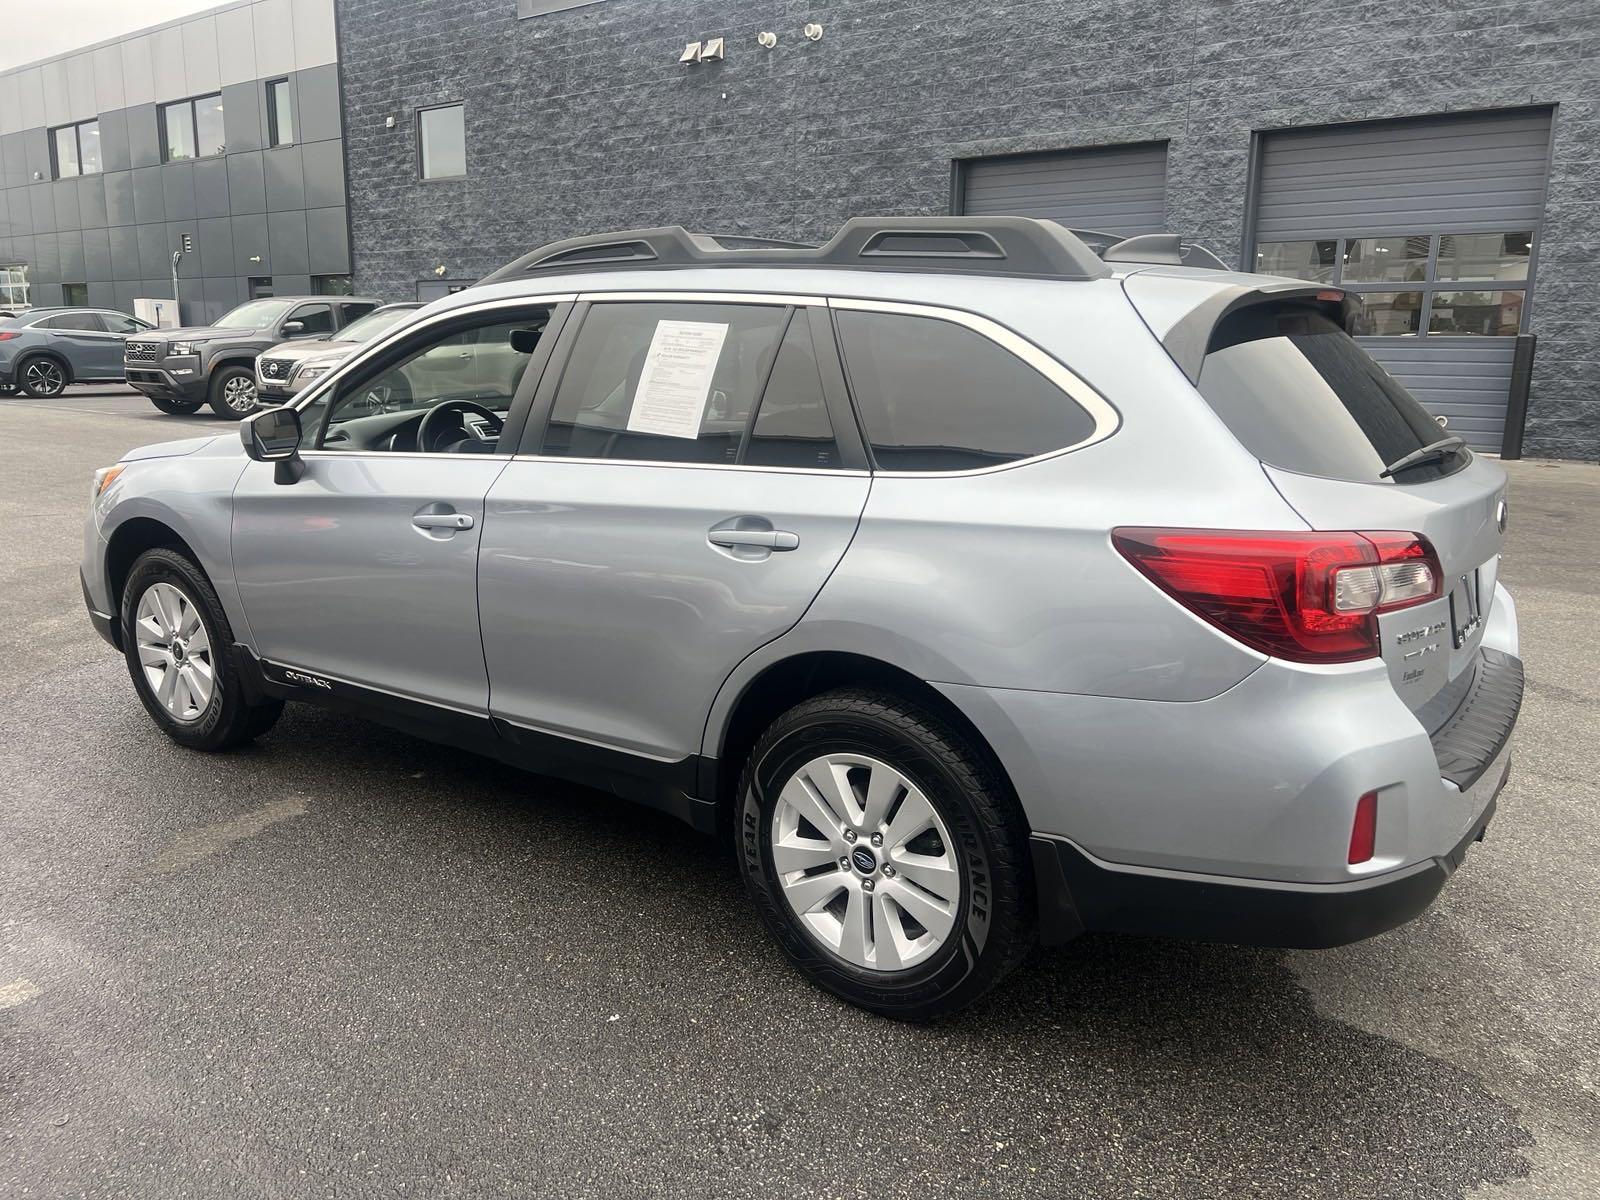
(710, 50)
(691, 53)
(766, 39)
(255, 258)
(388, 122)
(439, 270)
(813, 31)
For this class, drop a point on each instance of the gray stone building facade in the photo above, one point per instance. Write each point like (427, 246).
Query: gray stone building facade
(223, 128)
(581, 117)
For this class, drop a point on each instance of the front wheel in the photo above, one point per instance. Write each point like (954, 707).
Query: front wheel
(176, 640)
(176, 408)
(233, 392)
(43, 378)
(886, 854)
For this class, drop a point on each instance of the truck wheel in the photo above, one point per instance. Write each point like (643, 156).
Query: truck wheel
(176, 640)
(42, 378)
(233, 392)
(886, 854)
(176, 408)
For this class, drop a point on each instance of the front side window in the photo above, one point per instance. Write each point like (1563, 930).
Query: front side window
(371, 325)
(280, 118)
(442, 141)
(447, 395)
(934, 395)
(192, 129)
(314, 319)
(664, 382)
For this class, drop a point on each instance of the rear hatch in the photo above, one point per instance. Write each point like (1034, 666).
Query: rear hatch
(1350, 449)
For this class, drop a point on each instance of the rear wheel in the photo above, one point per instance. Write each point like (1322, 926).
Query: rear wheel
(176, 408)
(886, 854)
(233, 392)
(176, 640)
(42, 378)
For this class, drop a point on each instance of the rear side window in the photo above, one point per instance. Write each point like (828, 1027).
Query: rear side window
(792, 428)
(936, 396)
(1300, 394)
(664, 382)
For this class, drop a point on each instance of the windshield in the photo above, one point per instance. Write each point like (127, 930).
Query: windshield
(1299, 393)
(256, 314)
(371, 325)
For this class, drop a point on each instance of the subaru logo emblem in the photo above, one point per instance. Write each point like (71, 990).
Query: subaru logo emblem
(864, 860)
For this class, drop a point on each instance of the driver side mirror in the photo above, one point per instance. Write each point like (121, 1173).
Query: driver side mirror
(273, 435)
(526, 341)
(293, 328)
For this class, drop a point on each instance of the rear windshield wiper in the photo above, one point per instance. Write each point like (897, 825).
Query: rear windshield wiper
(1428, 453)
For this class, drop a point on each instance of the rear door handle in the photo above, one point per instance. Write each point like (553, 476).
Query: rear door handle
(764, 539)
(442, 521)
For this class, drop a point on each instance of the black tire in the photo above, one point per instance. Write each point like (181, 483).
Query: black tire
(995, 925)
(42, 377)
(229, 719)
(218, 395)
(177, 408)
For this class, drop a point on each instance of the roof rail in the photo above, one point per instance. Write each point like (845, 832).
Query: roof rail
(971, 245)
(1148, 248)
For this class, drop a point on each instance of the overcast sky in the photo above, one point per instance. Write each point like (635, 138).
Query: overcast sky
(35, 29)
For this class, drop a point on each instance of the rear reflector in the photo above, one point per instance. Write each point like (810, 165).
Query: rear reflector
(1302, 596)
(1364, 829)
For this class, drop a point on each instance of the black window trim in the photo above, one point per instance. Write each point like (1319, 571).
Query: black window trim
(417, 123)
(846, 430)
(194, 128)
(273, 132)
(77, 140)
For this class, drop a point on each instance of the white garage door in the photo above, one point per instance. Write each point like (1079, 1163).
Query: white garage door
(1118, 189)
(1430, 224)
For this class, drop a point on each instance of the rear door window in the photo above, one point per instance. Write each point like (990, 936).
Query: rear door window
(86, 322)
(663, 382)
(934, 395)
(1300, 394)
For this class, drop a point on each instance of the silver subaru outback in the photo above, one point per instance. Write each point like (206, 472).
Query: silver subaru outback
(982, 589)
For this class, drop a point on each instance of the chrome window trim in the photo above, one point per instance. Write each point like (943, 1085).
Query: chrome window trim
(682, 466)
(1106, 418)
(702, 297)
(387, 454)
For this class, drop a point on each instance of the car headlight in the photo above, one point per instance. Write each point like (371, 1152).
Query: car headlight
(184, 348)
(105, 476)
(307, 374)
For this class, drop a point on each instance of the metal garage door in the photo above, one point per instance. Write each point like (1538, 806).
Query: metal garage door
(1120, 189)
(1431, 224)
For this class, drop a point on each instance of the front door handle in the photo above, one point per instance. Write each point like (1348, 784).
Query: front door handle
(428, 520)
(762, 539)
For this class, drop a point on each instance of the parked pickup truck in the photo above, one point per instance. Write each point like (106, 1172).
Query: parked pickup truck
(182, 369)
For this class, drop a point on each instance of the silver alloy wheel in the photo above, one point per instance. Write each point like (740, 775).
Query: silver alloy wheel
(239, 393)
(44, 377)
(175, 651)
(865, 862)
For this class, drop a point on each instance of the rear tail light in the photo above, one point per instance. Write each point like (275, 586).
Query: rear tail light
(7, 334)
(1306, 597)
(1364, 829)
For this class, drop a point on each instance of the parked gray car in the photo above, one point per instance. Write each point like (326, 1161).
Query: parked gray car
(284, 370)
(45, 349)
(979, 588)
(182, 369)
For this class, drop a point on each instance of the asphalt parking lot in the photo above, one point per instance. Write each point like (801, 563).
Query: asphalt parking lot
(345, 962)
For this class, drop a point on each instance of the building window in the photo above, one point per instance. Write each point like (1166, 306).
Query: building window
(75, 295)
(442, 140)
(259, 287)
(1409, 284)
(192, 129)
(280, 118)
(13, 288)
(332, 285)
(75, 150)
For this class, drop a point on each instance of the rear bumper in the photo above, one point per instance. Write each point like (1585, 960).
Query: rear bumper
(1079, 894)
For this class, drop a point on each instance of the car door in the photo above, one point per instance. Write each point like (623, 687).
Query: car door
(84, 341)
(363, 572)
(689, 480)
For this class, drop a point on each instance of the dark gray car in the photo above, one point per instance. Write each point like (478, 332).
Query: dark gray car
(182, 369)
(45, 349)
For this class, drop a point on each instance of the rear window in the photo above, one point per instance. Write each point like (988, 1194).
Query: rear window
(1300, 394)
